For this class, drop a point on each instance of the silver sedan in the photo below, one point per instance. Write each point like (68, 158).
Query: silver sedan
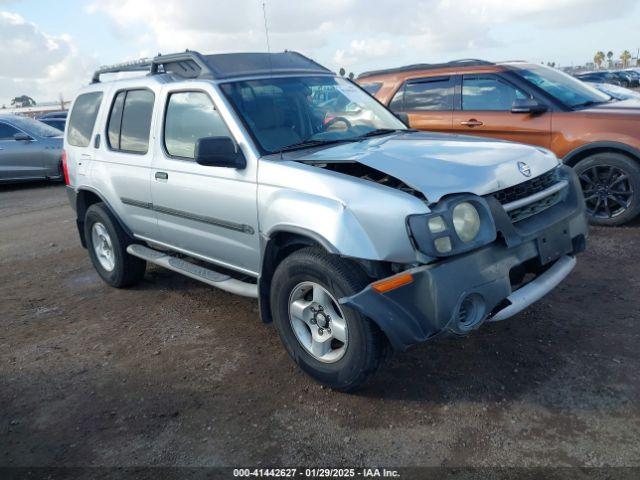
(29, 150)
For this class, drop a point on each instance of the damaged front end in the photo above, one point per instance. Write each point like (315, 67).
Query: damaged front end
(513, 263)
(365, 172)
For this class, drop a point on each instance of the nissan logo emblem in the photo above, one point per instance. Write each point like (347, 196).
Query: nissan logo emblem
(524, 169)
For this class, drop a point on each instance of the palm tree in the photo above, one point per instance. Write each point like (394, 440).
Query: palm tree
(610, 58)
(598, 58)
(625, 57)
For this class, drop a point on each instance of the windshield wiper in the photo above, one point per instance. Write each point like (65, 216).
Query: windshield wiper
(313, 143)
(381, 131)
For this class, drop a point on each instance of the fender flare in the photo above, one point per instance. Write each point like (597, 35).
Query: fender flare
(573, 156)
(80, 218)
(305, 232)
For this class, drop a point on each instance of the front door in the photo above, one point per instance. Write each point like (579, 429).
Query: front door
(207, 211)
(485, 110)
(20, 159)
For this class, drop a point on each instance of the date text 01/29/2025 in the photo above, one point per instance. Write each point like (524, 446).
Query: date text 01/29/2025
(316, 472)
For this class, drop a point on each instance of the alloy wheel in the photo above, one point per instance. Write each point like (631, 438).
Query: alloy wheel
(318, 322)
(607, 191)
(103, 246)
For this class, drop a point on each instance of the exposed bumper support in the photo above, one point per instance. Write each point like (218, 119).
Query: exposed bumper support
(538, 288)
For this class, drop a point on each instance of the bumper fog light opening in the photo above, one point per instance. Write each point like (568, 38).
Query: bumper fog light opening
(471, 312)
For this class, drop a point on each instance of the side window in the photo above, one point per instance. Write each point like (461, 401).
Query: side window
(488, 93)
(423, 95)
(7, 131)
(190, 116)
(83, 118)
(130, 121)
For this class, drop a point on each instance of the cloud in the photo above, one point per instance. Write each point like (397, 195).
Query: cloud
(354, 30)
(36, 63)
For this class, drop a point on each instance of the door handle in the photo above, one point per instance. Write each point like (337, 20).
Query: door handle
(472, 123)
(162, 175)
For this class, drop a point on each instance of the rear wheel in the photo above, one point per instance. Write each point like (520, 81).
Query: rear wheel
(335, 345)
(107, 244)
(611, 185)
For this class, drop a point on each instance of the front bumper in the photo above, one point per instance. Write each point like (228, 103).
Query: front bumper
(460, 293)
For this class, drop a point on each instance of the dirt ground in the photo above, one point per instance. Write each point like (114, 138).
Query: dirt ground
(174, 372)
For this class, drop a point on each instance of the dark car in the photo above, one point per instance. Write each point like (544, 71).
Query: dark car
(601, 77)
(60, 114)
(627, 80)
(634, 77)
(29, 150)
(55, 122)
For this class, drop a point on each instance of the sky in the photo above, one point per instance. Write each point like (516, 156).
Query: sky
(48, 49)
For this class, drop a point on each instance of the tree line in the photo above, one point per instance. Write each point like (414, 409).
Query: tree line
(625, 57)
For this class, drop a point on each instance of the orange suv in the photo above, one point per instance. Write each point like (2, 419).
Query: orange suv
(527, 103)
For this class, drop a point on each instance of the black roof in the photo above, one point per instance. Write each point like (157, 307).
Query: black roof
(230, 65)
(467, 62)
(192, 64)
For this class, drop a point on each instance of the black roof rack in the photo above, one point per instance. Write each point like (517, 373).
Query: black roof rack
(465, 62)
(190, 64)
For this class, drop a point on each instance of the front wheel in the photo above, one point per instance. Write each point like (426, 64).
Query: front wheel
(611, 185)
(333, 344)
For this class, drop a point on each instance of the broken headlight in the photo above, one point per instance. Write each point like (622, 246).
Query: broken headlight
(455, 225)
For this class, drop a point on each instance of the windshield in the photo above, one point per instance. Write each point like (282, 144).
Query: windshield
(568, 90)
(291, 112)
(35, 127)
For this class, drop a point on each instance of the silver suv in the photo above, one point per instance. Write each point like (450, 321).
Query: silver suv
(268, 176)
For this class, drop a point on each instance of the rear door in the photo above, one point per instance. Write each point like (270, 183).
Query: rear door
(20, 159)
(485, 110)
(427, 101)
(121, 166)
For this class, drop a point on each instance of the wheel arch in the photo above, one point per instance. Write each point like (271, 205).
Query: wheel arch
(84, 199)
(580, 153)
(277, 245)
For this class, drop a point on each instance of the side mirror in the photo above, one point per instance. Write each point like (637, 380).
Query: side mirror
(219, 152)
(22, 137)
(528, 105)
(403, 117)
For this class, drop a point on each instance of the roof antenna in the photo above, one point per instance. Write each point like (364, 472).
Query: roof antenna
(266, 26)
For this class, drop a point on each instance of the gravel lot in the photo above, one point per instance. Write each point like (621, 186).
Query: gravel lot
(174, 372)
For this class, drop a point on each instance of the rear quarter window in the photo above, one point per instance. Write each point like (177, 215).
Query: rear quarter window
(372, 87)
(83, 118)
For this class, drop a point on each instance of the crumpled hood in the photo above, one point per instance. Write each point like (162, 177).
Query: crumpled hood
(440, 164)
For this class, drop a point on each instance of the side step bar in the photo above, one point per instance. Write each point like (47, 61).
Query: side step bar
(210, 277)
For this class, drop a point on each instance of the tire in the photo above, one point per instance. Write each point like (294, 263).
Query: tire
(366, 348)
(611, 199)
(126, 269)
